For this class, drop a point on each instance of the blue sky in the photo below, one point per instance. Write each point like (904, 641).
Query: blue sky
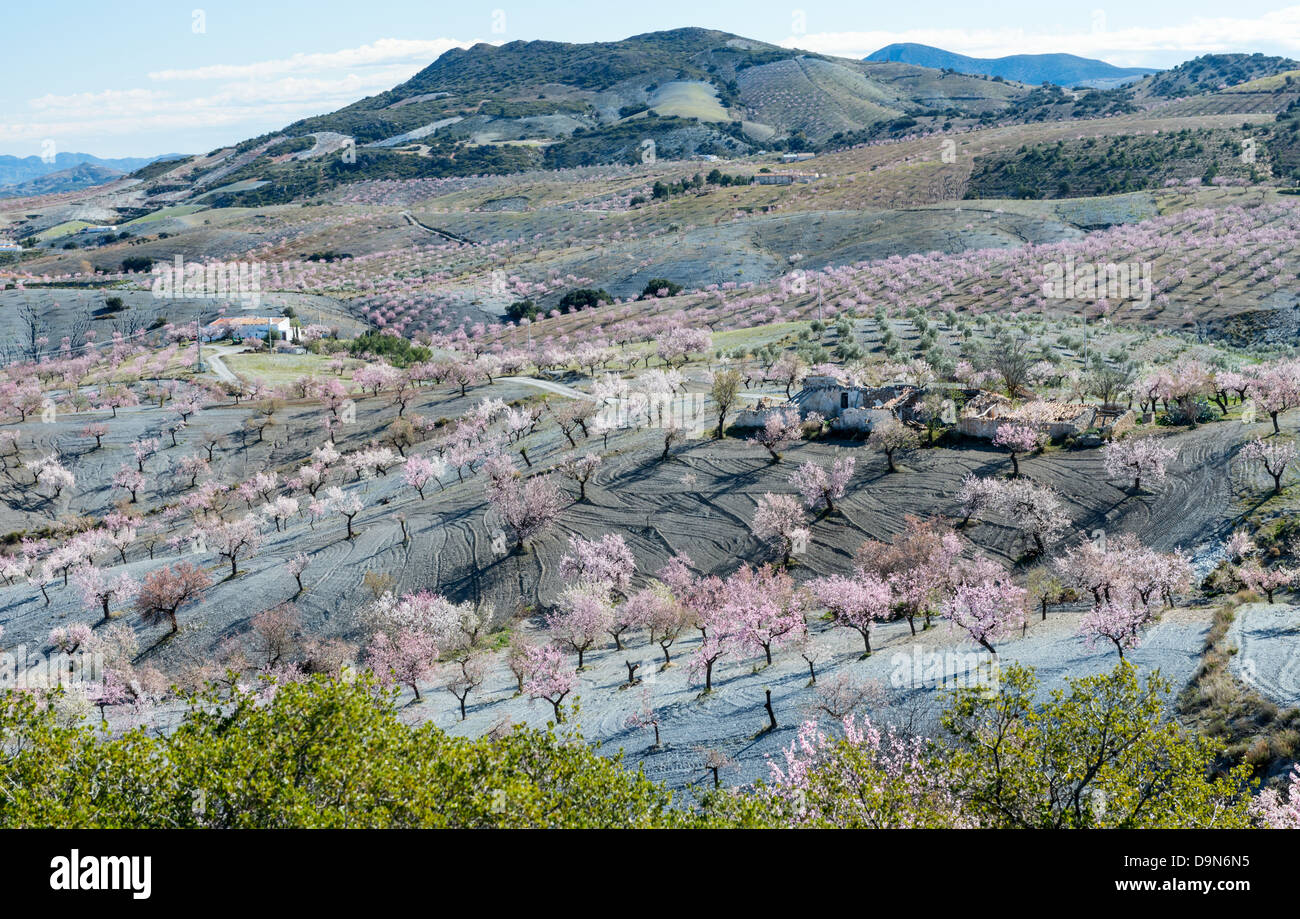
(140, 77)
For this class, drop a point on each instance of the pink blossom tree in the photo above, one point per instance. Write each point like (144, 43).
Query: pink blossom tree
(987, 608)
(584, 613)
(655, 609)
(346, 503)
(98, 589)
(418, 472)
(781, 428)
(1119, 621)
(1276, 389)
(918, 565)
(164, 592)
(607, 561)
(296, 566)
(131, 480)
(820, 487)
(763, 609)
(1036, 511)
(1278, 810)
(548, 676)
(855, 602)
(406, 658)
(975, 495)
(1273, 455)
(1267, 581)
(528, 507)
(779, 521)
(1137, 457)
(1016, 439)
(234, 539)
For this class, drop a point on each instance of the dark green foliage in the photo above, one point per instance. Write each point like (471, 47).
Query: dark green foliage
(397, 351)
(522, 309)
(655, 285)
(137, 263)
(584, 297)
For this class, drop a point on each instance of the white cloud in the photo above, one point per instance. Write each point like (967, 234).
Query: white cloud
(1278, 30)
(275, 92)
(384, 51)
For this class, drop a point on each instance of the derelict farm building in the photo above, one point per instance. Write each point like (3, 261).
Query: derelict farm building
(846, 407)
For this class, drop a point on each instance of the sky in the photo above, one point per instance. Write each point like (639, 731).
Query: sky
(146, 77)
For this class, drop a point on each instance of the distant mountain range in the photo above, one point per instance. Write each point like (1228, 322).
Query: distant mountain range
(15, 170)
(84, 175)
(1061, 69)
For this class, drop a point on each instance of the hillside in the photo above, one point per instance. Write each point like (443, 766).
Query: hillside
(705, 399)
(15, 170)
(85, 175)
(1214, 72)
(541, 104)
(1061, 69)
(674, 95)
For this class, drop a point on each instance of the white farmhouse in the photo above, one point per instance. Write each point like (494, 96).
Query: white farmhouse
(247, 327)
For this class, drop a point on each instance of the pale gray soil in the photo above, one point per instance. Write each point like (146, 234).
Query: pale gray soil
(1267, 641)
(699, 503)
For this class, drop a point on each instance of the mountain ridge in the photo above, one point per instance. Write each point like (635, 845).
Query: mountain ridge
(1061, 69)
(15, 170)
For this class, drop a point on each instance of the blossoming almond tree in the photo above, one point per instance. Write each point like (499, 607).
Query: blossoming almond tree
(855, 602)
(1279, 810)
(1266, 581)
(820, 487)
(583, 615)
(763, 609)
(130, 480)
(607, 560)
(779, 521)
(1119, 621)
(405, 658)
(233, 539)
(418, 472)
(1137, 457)
(1273, 455)
(780, 429)
(1036, 511)
(98, 589)
(580, 469)
(548, 676)
(527, 506)
(987, 608)
(166, 591)
(346, 503)
(655, 609)
(1016, 439)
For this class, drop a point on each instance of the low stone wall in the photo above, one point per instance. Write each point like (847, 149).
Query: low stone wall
(986, 428)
